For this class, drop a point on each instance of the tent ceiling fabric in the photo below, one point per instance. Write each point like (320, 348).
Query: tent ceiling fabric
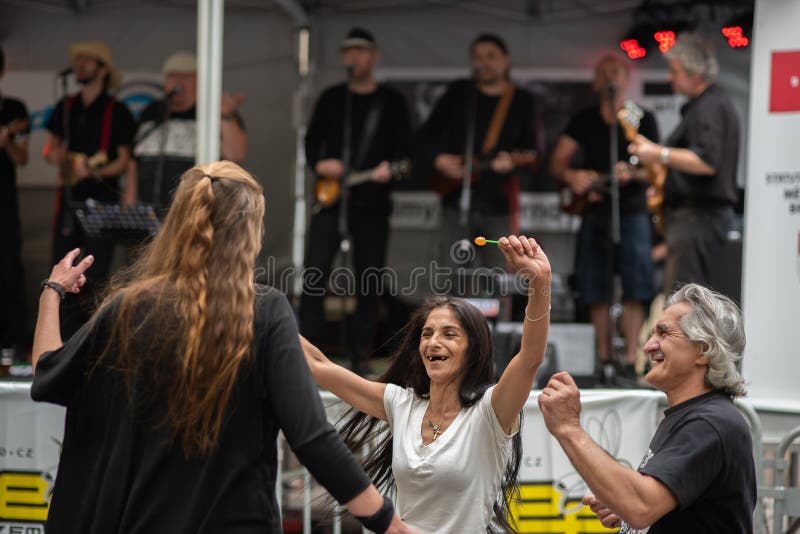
(516, 9)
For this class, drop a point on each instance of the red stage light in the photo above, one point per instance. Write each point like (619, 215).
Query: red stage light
(665, 39)
(632, 48)
(735, 37)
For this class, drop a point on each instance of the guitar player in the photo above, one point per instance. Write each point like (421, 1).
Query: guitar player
(580, 155)
(502, 117)
(97, 150)
(380, 133)
(14, 128)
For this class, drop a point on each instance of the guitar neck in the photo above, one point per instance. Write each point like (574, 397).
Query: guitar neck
(359, 177)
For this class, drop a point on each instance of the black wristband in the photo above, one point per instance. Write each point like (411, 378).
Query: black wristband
(379, 521)
(55, 286)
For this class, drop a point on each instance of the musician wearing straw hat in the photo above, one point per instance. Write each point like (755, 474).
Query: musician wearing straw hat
(90, 152)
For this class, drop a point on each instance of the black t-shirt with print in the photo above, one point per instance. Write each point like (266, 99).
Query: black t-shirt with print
(177, 138)
(703, 452)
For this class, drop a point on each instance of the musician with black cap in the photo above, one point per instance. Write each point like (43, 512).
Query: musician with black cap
(357, 140)
(166, 134)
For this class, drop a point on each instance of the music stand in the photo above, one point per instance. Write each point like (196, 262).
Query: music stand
(135, 222)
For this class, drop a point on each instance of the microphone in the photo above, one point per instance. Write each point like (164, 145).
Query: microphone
(174, 91)
(65, 72)
(349, 69)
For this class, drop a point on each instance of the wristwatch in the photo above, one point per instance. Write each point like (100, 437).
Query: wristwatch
(665, 155)
(55, 286)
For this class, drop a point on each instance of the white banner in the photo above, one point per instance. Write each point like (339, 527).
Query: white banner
(771, 294)
(30, 445)
(621, 421)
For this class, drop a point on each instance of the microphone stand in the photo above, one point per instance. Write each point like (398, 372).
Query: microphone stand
(344, 233)
(66, 168)
(615, 234)
(465, 201)
(162, 145)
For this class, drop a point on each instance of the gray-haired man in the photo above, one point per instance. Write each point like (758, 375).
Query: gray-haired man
(698, 474)
(702, 155)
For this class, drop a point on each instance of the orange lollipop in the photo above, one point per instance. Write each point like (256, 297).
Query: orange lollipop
(481, 241)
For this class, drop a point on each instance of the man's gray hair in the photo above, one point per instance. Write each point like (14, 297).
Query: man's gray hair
(696, 54)
(715, 322)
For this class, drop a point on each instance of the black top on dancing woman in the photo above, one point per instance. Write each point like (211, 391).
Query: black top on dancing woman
(178, 386)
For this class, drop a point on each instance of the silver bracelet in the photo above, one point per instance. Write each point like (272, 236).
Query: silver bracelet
(545, 314)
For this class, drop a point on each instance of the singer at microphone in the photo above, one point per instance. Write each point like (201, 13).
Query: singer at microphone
(586, 190)
(357, 125)
(167, 132)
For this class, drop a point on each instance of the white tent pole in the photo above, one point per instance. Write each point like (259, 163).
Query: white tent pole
(210, 18)
(300, 103)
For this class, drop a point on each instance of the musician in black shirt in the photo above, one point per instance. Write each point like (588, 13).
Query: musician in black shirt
(702, 154)
(14, 128)
(99, 140)
(443, 140)
(581, 162)
(380, 134)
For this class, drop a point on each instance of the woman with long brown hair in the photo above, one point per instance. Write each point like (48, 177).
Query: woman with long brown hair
(452, 451)
(177, 387)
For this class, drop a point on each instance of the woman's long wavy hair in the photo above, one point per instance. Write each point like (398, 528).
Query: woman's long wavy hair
(406, 369)
(183, 321)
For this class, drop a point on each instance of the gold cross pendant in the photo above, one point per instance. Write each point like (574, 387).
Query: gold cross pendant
(436, 429)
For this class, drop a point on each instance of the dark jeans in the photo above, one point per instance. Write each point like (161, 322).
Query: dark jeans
(695, 238)
(369, 239)
(633, 261)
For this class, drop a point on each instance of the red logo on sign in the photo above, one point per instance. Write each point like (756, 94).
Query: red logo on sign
(784, 92)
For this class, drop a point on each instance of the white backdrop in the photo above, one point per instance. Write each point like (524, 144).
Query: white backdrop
(771, 296)
(622, 422)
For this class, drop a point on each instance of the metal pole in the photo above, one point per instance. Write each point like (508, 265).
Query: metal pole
(210, 19)
(300, 103)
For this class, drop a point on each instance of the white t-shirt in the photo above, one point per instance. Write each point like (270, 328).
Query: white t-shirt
(450, 484)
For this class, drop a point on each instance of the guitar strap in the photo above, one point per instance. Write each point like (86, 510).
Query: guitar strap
(370, 125)
(108, 113)
(498, 120)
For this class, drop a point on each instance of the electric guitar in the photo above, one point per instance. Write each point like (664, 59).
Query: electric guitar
(93, 162)
(630, 117)
(573, 203)
(444, 185)
(328, 189)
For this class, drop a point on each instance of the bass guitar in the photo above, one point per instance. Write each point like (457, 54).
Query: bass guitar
(444, 185)
(327, 189)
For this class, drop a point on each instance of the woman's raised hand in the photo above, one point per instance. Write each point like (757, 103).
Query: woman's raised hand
(525, 256)
(71, 276)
